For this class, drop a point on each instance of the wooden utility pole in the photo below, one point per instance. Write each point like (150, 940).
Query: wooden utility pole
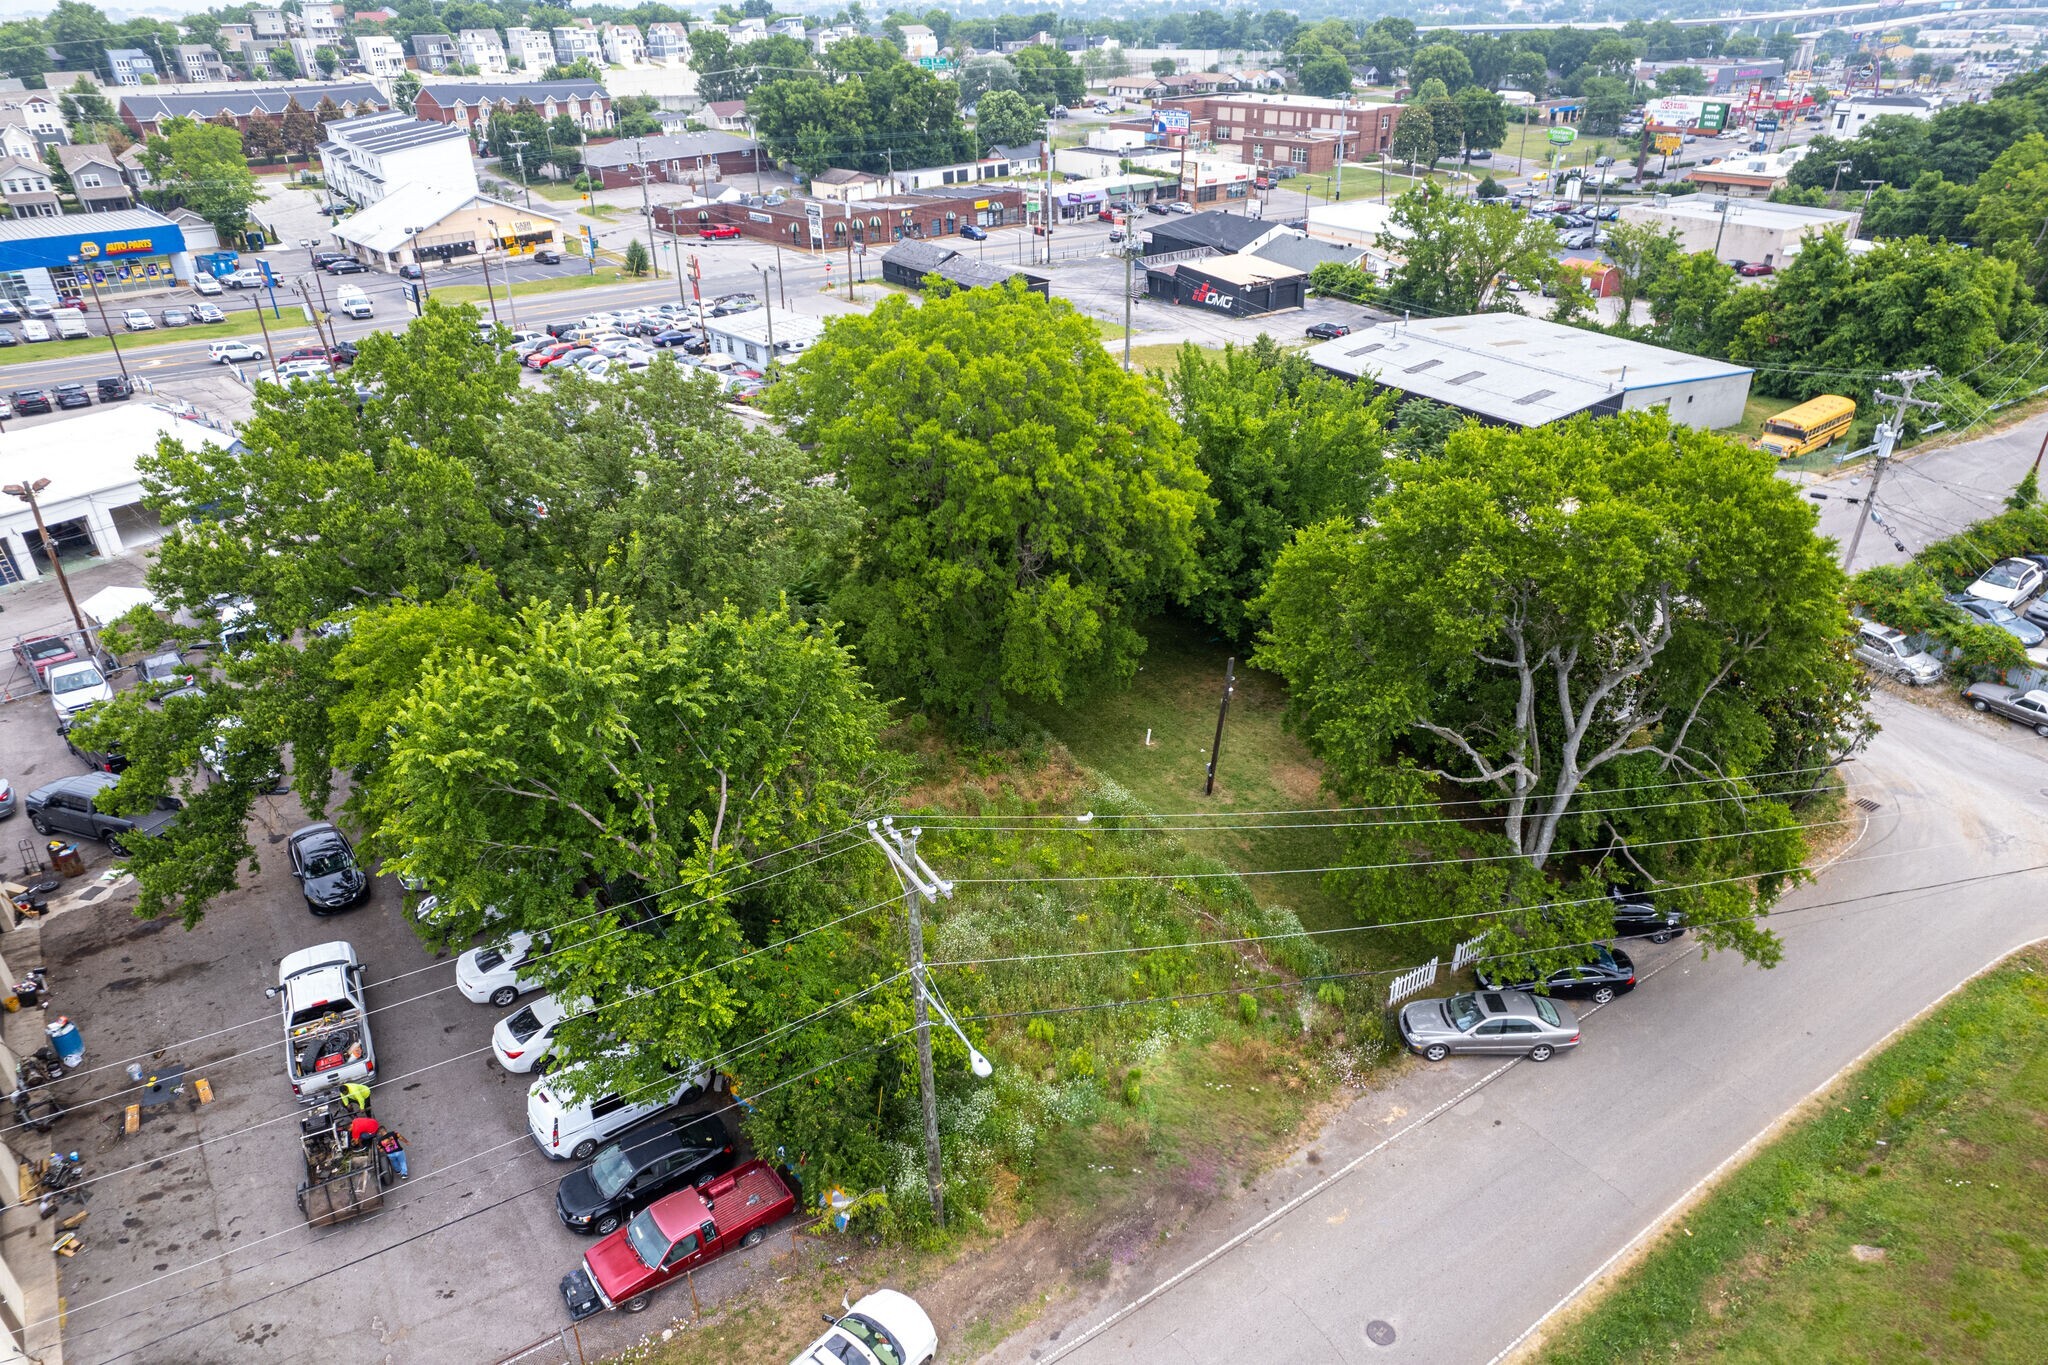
(1222, 714)
(1888, 433)
(920, 884)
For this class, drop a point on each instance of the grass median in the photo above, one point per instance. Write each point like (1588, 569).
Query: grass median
(1903, 1219)
(242, 323)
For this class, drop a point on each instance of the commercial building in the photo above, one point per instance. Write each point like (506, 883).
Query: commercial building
(1515, 370)
(848, 187)
(95, 495)
(1741, 229)
(1853, 111)
(1210, 180)
(96, 177)
(145, 114)
(365, 158)
(910, 264)
(1001, 163)
(417, 224)
(1754, 175)
(1223, 234)
(1301, 131)
(744, 336)
(1242, 285)
(121, 252)
(677, 159)
(1723, 77)
(1078, 199)
(470, 104)
(807, 223)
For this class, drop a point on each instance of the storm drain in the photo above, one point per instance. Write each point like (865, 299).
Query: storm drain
(1865, 803)
(1380, 1332)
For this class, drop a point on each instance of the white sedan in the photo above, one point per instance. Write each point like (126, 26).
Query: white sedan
(233, 352)
(2009, 582)
(524, 1036)
(138, 320)
(883, 1328)
(205, 285)
(492, 975)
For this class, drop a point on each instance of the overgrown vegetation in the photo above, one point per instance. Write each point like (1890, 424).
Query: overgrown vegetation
(1913, 596)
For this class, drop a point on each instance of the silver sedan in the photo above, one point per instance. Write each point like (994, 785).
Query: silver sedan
(1512, 1023)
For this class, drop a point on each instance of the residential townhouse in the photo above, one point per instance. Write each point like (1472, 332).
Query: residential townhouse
(530, 49)
(269, 23)
(36, 112)
(623, 45)
(434, 52)
(919, 42)
(788, 26)
(134, 170)
(668, 44)
(469, 104)
(382, 58)
(145, 114)
(323, 24)
(365, 158)
(26, 188)
(577, 44)
(747, 30)
(18, 143)
(306, 52)
(128, 65)
(482, 49)
(96, 177)
(199, 62)
(728, 116)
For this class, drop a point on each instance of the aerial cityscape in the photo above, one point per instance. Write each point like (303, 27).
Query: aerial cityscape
(1115, 683)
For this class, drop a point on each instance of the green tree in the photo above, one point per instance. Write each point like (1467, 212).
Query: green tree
(283, 64)
(1284, 446)
(1005, 118)
(1446, 126)
(1326, 75)
(1443, 62)
(636, 116)
(329, 60)
(1641, 253)
(1482, 118)
(1414, 138)
(1654, 598)
(1681, 80)
(300, 131)
(24, 50)
(1455, 252)
(637, 260)
(980, 74)
(1164, 67)
(202, 167)
(1048, 76)
(2011, 200)
(1027, 502)
(405, 89)
(89, 115)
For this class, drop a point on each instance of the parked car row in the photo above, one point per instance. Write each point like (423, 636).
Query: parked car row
(31, 402)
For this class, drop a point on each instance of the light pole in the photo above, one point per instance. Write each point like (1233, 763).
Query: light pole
(510, 306)
(85, 269)
(312, 265)
(768, 306)
(27, 493)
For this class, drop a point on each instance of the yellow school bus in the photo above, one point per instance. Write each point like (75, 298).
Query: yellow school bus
(1809, 426)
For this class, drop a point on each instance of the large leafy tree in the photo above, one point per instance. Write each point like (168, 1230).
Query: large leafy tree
(1025, 501)
(1559, 622)
(1443, 62)
(1414, 140)
(979, 75)
(1048, 76)
(202, 167)
(1456, 252)
(1006, 119)
(1284, 446)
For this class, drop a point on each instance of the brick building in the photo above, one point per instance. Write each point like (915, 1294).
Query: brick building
(471, 103)
(1300, 131)
(805, 223)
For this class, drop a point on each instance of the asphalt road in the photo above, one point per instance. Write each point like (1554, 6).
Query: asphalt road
(1444, 1217)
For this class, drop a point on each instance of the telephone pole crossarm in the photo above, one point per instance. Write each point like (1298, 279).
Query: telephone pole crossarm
(1888, 433)
(921, 885)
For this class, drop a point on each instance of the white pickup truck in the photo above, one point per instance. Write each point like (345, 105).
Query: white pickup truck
(326, 1023)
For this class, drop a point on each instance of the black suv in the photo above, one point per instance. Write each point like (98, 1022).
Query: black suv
(66, 807)
(329, 876)
(113, 388)
(1637, 916)
(650, 1159)
(72, 396)
(28, 401)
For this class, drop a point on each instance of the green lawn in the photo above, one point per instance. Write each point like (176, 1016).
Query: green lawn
(552, 284)
(1907, 1219)
(240, 323)
(1158, 355)
(560, 193)
(1174, 698)
(1359, 182)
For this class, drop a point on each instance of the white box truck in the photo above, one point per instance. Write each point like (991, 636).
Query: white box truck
(353, 302)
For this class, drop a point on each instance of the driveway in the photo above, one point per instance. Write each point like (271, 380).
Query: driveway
(1442, 1218)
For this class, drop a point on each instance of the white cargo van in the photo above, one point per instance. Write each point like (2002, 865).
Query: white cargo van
(353, 302)
(71, 327)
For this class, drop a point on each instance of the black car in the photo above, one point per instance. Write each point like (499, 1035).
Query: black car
(1637, 916)
(327, 258)
(1328, 331)
(66, 807)
(673, 336)
(1609, 974)
(71, 396)
(1158, 208)
(651, 1159)
(344, 353)
(27, 401)
(8, 338)
(348, 265)
(326, 867)
(558, 330)
(113, 388)
(547, 256)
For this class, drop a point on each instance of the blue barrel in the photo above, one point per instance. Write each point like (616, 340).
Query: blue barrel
(65, 1037)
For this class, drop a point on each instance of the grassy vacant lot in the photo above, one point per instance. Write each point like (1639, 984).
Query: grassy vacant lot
(552, 284)
(1906, 1219)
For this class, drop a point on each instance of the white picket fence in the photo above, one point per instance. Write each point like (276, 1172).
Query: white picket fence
(1465, 952)
(1410, 982)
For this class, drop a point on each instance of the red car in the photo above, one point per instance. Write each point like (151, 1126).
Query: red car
(681, 1232)
(718, 232)
(1753, 269)
(539, 359)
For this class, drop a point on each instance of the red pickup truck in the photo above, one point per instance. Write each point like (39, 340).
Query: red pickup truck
(717, 232)
(681, 1232)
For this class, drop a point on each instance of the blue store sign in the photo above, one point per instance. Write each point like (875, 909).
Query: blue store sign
(107, 248)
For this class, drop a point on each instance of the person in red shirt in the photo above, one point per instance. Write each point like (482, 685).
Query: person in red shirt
(361, 1130)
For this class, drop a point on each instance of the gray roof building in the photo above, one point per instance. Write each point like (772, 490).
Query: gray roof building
(634, 151)
(142, 113)
(1224, 233)
(908, 263)
(1306, 253)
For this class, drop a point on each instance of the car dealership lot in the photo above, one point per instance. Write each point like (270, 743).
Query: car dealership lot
(195, 1248)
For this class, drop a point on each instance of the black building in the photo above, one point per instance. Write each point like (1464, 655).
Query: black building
(909, 263)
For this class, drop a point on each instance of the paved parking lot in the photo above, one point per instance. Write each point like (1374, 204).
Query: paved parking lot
(194, 1248)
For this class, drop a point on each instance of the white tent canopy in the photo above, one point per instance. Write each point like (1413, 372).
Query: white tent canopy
(110, 604)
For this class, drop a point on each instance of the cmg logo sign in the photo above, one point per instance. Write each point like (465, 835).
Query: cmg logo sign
(1209, 296)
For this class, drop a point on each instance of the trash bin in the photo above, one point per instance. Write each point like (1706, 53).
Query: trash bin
(65, 860)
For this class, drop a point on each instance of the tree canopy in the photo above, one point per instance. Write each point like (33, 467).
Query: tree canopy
(1457, 252)
(202, 167)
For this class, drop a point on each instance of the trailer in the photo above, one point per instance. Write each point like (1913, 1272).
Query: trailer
(342, 1181)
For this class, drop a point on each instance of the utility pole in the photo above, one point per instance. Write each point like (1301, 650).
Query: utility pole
(1222, 714)
(93, 284)
(646, 210)
(27, 493)
(1047, 148)
(490, 294)
(268, 351)
(920, 886)
(1888, 433)
(1130, 258)
(519, 146)
(1725, 201)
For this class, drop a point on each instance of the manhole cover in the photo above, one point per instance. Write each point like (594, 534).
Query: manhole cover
(1380, 1332)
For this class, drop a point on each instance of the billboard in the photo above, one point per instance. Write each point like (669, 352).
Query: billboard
(1170, 121)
